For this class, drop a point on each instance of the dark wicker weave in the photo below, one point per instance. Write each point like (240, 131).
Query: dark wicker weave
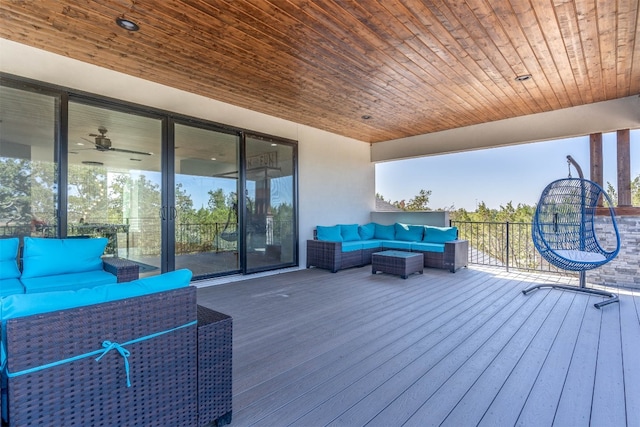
(397, 262)
(329, 255)
(215, 333)
(454, 257)
(163, 369)
(123, 269)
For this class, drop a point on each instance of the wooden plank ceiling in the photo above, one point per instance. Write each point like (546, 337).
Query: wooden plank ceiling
(413, 66)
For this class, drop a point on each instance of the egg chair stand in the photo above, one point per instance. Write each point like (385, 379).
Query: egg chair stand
(564, 234)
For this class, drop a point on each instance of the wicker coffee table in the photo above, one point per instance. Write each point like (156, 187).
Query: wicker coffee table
(397, 262)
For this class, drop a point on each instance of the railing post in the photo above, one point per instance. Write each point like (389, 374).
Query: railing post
(508, 246)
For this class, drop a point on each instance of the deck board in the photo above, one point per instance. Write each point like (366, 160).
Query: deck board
(312, 348)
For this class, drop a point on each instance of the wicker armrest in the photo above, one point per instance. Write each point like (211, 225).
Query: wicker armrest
(323, 254)
(215, 351)
(123, 269)
(456, 254)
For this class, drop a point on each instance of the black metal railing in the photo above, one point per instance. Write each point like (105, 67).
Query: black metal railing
(503, 244)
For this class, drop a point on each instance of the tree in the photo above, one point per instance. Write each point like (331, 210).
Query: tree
(419, 202)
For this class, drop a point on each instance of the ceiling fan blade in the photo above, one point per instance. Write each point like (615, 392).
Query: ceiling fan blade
(122, 150)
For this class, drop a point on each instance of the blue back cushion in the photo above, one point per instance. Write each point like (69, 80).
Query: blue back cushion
(48, 257)
(367, 231)
(8, 257)
(384, 232)
(22, 305)
(439, 234)
(330, 234)
(408, 233)
(349, 232)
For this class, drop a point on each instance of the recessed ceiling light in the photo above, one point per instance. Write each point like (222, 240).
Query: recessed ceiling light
(127, 24)
(79, 143)
(366, 117)
(274, 144)
(213, 158)
(523, 77)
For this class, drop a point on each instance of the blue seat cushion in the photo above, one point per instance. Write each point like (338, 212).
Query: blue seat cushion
(427, 247)
(10, 287)
(14, 306)
(384, 232)
(351, 246)
(68, 282)
(329, 234)
(409, 233)
(396, 244)
(8, 258)
(439, 234)
(51, 257)
(349, 232)
(372, 244)
(367, 231)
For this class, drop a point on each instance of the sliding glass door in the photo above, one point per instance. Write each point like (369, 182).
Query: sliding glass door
(167, 191)
(28, 168)
(115, 182)
(206, 200)
(270, 220)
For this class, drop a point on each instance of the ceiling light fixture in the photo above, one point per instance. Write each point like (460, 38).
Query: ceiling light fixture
(127, 24)
(523, 77)
(366, 117)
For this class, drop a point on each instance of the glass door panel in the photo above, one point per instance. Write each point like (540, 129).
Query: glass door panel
(115, 182)
(206, 186)
(28, 187)
(269, 204)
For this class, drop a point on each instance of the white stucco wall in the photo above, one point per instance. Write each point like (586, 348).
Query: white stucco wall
(336, 175)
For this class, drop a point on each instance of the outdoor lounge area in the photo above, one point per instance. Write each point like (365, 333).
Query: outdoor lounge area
(312, 348)
(216, 136)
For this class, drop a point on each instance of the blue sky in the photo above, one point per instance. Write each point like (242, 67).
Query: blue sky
(496, 176)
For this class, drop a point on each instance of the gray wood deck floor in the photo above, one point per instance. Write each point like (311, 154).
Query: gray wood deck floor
(313, 348)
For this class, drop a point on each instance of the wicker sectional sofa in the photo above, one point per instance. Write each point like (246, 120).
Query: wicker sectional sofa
(59, 264)
(351, 245)
(136, 353)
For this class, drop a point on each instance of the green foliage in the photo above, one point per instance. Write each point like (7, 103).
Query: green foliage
(27, 191)
(635, 192)
(420, 202)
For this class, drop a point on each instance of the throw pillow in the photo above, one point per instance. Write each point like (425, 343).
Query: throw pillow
(48, 257)
(367, 231)
(439, 234)
(349, 232)
(329, 234)
(409, 233)
(8, 255)
(384, 232)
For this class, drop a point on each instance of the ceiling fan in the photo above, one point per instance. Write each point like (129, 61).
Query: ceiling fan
(103, 143)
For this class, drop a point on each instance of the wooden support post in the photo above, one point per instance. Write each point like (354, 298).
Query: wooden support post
(624, 168)
(595, 150)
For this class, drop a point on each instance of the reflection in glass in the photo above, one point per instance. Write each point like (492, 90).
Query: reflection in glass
(28, 192)
(269, 202)
(114, 182)
(206, 223)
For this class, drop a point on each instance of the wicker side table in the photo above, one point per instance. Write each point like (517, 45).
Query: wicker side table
(397, 262)
(215, 350)
(122, 268)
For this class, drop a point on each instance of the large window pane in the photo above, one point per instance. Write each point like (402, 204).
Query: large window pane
(206, 179)
(28, 192)
(270, 214)
(115, 182)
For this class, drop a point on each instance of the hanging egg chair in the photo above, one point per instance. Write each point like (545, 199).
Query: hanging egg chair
(564, 232)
